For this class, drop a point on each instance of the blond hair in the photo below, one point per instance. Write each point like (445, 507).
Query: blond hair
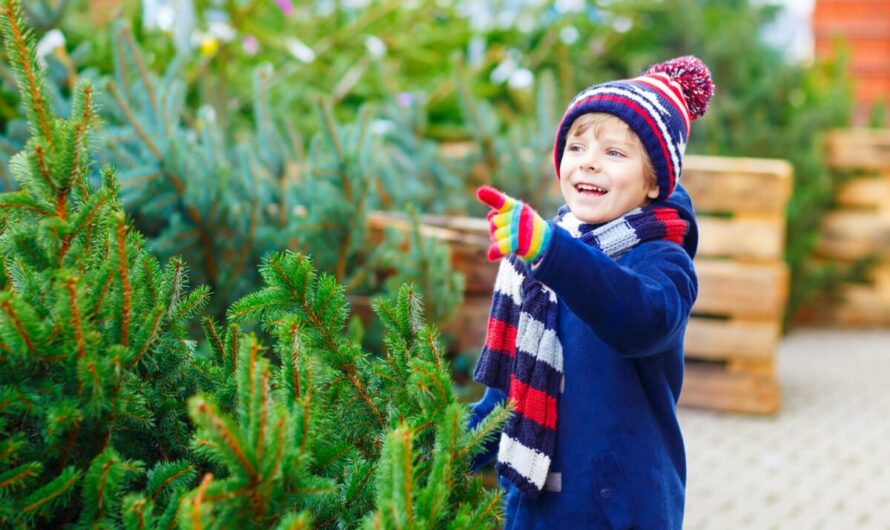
(599, 121)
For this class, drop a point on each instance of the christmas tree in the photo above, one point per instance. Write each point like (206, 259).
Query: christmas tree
(328, 435)
(93, 367)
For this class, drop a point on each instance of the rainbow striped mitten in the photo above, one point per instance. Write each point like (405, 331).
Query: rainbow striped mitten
(514, 227)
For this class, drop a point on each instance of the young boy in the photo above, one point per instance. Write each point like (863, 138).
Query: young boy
(589, 312)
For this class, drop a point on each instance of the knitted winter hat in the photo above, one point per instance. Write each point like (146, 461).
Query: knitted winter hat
(658, 106)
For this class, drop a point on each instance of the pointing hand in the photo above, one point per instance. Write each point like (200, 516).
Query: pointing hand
(514, 227)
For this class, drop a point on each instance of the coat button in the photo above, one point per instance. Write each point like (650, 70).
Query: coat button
(606, 493)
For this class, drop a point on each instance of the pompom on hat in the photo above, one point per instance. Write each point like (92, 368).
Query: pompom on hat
(659, 106)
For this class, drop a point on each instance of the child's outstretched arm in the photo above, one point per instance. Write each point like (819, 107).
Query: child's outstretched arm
(637, 307)
(636, 310)
(514, 227)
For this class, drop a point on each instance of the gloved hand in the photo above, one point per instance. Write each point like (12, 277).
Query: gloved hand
(514, 227)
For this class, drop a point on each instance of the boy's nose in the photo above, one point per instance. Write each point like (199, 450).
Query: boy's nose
(590, 164)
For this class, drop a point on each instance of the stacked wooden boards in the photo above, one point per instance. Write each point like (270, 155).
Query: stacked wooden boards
(732, 336)
(736, 322)
(858, 228)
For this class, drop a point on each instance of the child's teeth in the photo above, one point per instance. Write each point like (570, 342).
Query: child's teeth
(587, 187)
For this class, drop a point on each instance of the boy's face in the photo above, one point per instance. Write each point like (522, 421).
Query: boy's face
(602, 176)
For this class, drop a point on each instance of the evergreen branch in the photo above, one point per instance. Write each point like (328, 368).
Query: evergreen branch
(352, 378)
(71, 286)
(331, 342)
(149, 280)
(351, 500)
(143, 73)
(251, 367)
(175, 284)
(264, 414)
(296, 295)
(11, 445)
(10, 312)
(40, 154)
(103, 478)
(125, 279)
(298, 523)
(233, 332)
(91, 367)
(87, 221)
(434, 349)
(26, 471)
(197, 301)
(11, 13)
(72, 439)
(146, 139)
(486, 429)
(443, 395)
(105, 285)
(336, 456)
(198, 500)
(406, 439)
(7, 182)
(279, 453)
(305, 437)
(227, 437)
(16, 200)
(49, 496)
(488, 511)
(138, 507)
(79, 130)
(213, 335)
(150, 338)
(194, 215)
(295, 358)
(252, 308)
(154, 494)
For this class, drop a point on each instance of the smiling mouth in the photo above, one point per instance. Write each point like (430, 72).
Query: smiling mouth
(590, 189)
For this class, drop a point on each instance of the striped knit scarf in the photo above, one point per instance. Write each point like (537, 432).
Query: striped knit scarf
(522, 355)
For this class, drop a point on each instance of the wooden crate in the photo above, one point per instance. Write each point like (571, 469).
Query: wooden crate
(859, 227)
(732, 336)
(734, 330)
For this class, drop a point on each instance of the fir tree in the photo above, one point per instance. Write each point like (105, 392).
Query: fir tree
(93, 356)
(222, 195)
(329, 436)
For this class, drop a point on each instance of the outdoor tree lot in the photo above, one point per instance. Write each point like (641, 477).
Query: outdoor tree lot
(183, 227)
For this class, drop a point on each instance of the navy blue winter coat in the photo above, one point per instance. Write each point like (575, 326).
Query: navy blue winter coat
(619, 461)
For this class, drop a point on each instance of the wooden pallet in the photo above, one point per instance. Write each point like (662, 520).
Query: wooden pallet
(734, 330)
(859, 227)
(732, 336)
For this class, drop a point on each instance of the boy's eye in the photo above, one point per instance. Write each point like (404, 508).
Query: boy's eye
(614, 152)
(573, 147)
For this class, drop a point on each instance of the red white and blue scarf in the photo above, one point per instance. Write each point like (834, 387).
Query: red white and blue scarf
(522, 355)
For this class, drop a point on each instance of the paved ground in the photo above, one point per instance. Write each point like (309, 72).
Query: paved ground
(822, 463)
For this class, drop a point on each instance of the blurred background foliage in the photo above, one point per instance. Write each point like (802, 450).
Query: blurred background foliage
(245, 126)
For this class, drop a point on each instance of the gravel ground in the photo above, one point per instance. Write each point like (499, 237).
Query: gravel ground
(822, 463)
